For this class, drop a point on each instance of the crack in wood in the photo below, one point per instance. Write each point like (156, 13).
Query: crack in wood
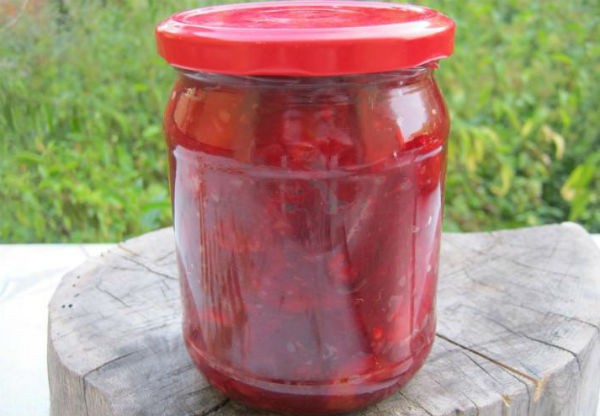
(532, 267)
(157, 260)
(523, 382)
(555, 246)
(565, 317)
(114, 360)
(487, 252)
(474, 361)
(171, 253)
(110, 294)
(202, 389)
(475, 405)
(85, 382)
(510, 374)
(124, 269)
(215, 408)
(416, 403)
(467, 274)
(148, 268)
(162, 290)
(465, 395)
(484, 252)
(490, 375)
(506, 403)
(524, 335)
(538, 383)
(541, 341)
(85, 400)
(128, 250)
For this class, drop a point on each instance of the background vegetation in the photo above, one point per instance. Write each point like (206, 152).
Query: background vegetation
(82, 91)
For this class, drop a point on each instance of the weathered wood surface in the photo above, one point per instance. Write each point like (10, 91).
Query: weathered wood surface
(518, 332)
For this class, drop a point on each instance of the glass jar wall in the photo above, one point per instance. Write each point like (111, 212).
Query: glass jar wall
(307, 213)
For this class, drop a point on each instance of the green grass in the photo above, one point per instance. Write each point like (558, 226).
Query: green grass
(82, 94)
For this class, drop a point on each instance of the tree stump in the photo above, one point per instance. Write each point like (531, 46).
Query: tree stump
(518, 332)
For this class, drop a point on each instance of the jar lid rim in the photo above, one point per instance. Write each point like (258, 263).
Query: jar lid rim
(305, 37)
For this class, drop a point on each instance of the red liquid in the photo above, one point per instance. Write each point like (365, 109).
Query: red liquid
(307, 219)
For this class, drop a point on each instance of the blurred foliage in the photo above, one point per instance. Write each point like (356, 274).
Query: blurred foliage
(524, 94)
(82, 91)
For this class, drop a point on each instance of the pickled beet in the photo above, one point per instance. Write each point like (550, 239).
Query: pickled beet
(307, 215)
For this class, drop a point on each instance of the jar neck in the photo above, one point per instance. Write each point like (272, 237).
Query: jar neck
(397, 78)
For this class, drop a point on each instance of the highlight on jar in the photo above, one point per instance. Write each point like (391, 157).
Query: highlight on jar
(307, 151)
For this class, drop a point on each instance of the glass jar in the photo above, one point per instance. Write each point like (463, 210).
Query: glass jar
(307, 180)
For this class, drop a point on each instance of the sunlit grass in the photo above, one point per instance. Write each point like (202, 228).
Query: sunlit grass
(82, 92)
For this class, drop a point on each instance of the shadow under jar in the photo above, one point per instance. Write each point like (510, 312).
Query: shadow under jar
(307, 198)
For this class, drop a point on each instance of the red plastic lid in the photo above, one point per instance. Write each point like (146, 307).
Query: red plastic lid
(307, 38)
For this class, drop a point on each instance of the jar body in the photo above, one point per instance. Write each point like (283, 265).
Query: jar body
(307, 215)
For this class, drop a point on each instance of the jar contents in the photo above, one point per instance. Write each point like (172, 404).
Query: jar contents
(307, 214)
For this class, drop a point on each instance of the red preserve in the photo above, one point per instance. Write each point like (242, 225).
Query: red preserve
(307, 150)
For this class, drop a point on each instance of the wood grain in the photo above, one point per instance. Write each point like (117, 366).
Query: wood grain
(518, 333)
